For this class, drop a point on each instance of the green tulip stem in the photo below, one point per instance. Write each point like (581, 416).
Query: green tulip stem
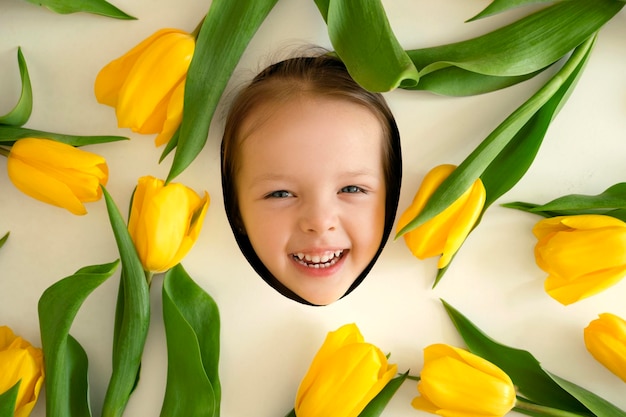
(524, 406)
(149, 276)
(4, 151)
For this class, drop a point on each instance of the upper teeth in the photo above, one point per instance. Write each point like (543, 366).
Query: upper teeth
(319, 259)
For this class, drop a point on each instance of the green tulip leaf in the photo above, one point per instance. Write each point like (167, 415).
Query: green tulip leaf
(4, 239)
(65, 360)
(362, 37)
(22, 110)
(492, 147)
(613, 197)
(525, 46)
(597, 405)
(510, 165)
(132, 317)
(224, 35)
(457, 82)
(9, 134)
(499, 6)
(379, 402)
(100, 7)
(531, 380)
(8, 400)
(192, 329)
(533, 208)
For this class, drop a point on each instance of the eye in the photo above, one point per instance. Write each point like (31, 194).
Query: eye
(279, 194)
(352, 189)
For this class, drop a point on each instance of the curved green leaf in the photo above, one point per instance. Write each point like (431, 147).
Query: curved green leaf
(457, 82)
(192, 327)
(9, 134)
(518, 155)
(522, 367)
(534, 209)
(100, 7)
(8, 400)
(132, 318)
(613, 197)
(24, 107)
(4, 239)
(362, 37)
(499, 6)
(525, 46)
(225, 34)
(492, 146)
(65, 361)
(597, 405)
(376, 407)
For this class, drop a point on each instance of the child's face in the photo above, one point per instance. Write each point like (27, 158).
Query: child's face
(311, 192)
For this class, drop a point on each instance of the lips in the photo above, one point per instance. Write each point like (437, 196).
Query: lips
(318, 261)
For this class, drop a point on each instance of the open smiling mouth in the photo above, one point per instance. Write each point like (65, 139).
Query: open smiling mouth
(325, 261)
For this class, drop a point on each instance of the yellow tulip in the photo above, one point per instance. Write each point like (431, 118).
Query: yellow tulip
(165, 222)
(57, 173)
(344, 376)
(605, 338)
(20, 361)
(445, 233)
(457, 383)
(582, 254)
(146, 85)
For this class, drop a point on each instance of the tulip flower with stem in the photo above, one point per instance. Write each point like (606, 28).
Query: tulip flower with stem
(581, 242)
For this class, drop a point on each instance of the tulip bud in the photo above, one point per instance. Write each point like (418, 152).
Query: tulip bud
(20, 361)
(445, 233)
(605, 338)
(455, 382)
(146, 85)
(583, 254)
(57, 173)
(345, 375)
(165, 222)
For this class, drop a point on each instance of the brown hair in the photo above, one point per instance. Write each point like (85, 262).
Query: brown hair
(323, 76)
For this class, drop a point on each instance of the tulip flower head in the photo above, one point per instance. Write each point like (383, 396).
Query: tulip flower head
(457, 383)
(20, 362)
(445, 233)
(57, 173)
(605, 339)
(165, 222)
(146, 85)
(344, 376)
(583, 254)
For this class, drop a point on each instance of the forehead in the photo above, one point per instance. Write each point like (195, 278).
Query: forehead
(305, 128)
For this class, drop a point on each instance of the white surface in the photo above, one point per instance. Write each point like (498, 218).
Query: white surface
(267, 340)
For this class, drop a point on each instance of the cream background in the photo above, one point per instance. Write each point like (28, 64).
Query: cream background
(267, 340)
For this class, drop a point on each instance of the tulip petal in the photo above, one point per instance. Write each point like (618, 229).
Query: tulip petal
(568, 292)
(143, 98)
(174, 115)
(605, 339)
(111, 77)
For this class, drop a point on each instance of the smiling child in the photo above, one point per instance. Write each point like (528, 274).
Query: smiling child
(311, 172)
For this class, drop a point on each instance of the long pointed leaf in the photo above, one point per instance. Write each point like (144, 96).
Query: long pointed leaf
(192, 327)
(611, 198)
(9, 134)
(4, 239)
(489, 149)
(525, 46)
(522, 367)
(499, 6)
(225, 34)
(379, 402)
(22, 110)
(132, 327)
(65, 361)
(597, 405)
(8, 399)
(362, 37)
(100, 7)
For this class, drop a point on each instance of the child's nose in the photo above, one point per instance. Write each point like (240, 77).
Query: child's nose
(318, 218)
